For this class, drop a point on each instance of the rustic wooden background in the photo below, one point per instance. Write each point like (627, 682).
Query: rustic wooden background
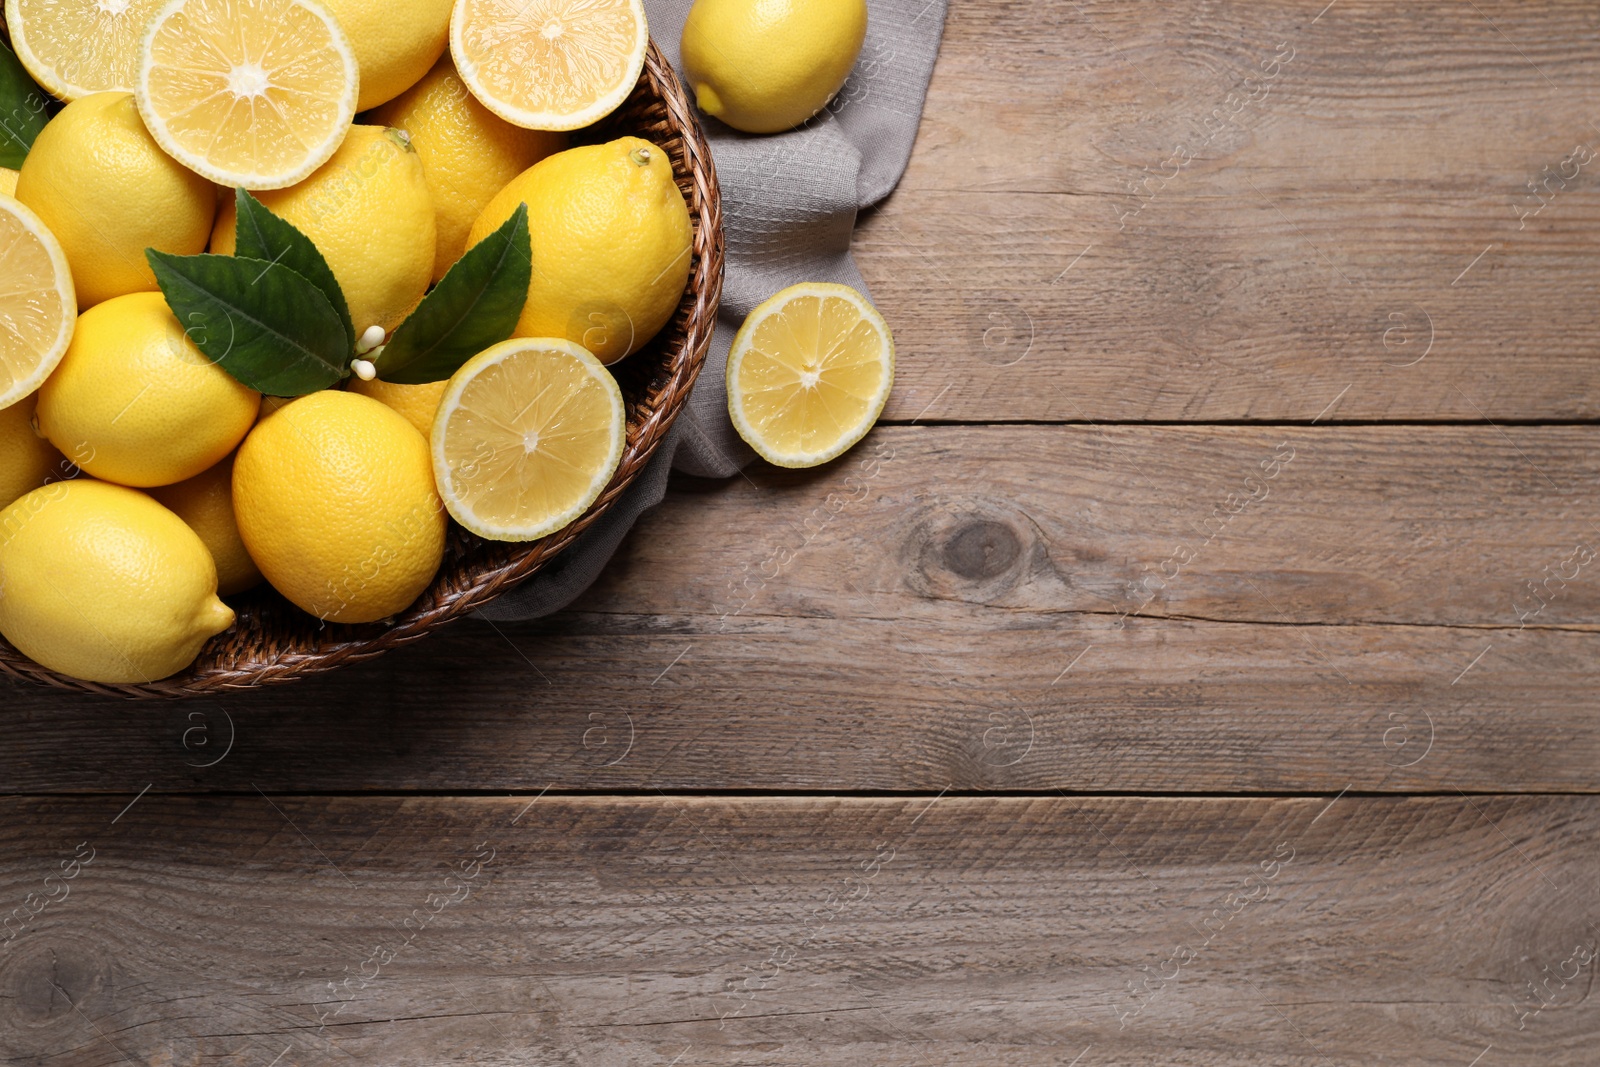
(1196, 667)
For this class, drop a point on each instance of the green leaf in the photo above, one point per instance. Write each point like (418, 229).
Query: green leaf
(475, 305)
(260, 234)
(260, 321)
(24, 109)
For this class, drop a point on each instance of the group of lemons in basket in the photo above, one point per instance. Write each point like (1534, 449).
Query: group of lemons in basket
(285, 285)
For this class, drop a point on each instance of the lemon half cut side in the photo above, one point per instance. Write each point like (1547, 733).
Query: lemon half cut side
(77, 47)
(549, 64)
(527, 436)
(38, 306)
(809, 373)
(257, 93)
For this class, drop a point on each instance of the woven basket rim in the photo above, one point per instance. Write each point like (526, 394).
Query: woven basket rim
(453, 594)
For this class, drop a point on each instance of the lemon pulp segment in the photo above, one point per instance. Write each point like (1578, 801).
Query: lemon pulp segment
(38, 308)
(527, 436)
(549, 64)
(77, 47)
(809, 374)
(256, 93)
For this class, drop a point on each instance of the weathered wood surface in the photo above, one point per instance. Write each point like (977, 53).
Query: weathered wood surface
(1316, 235)
(1035, 609)
(244, 931)
(1389, 609)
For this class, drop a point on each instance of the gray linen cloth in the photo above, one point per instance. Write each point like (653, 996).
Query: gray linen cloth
(789, 202)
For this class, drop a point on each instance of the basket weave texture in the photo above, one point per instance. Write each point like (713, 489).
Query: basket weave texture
(274, 642)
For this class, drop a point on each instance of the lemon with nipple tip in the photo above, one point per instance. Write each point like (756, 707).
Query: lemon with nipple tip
(610, 241)
(104, 584)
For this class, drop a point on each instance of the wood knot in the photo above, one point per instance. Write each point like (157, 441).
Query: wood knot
(973, 549)
(50, 977)
(982, 549)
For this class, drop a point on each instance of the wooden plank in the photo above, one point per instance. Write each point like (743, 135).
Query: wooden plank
(1012, 608)
(1051, 255)
(788, 705)
(291, 931)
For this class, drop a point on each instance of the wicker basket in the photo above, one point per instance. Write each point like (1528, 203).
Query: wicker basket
(275, 642)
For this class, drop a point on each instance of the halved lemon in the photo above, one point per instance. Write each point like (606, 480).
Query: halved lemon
(528, 434)
(549, 64)
(257, 93)
(38, 307)
(809, 373)
(77, 47)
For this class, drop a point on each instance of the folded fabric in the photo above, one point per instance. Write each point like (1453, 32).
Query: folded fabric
(789, 202)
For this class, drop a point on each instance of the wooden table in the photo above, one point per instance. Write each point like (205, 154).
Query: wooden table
(1196, 667)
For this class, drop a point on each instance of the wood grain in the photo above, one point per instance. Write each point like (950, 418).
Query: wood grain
(1318, 239)
(1320, 607)
(252, 930)
(1385, 611)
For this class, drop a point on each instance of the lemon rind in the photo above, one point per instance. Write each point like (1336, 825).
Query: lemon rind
(553, 121)
(451, 400)
(742, 343)
(69, 302)
(320, 155)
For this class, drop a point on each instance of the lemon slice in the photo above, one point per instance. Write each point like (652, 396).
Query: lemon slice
(528, 434)
(809, 373)
(38, 307)
(549, 64)
(257, 93)
(77, 47)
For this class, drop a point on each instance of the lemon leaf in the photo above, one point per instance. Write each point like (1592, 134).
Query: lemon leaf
(260, 321)
(259, 234)
(474, 306)
(24, 109)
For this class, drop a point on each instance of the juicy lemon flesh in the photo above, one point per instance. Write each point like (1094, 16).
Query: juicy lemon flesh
(37, 306)
(529, 440)
(550, 64)
(815, 375)
(77, 49)
(253, 92)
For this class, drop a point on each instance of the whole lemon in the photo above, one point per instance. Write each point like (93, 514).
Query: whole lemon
(468, 152)
(335, 500)
(763, 66)
(136, 403)
(369, 211)
(8, 181)
(102, 583)
(418, 403)
(27, 460)
(108, 192)
(205, 503)
(610, 234)
(395, 42)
